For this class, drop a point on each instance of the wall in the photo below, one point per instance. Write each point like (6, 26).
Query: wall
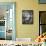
(28, 31)
(32, 30)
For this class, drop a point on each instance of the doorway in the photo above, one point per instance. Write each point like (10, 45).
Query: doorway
(7, 21)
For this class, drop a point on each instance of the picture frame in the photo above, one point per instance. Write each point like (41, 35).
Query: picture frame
(42, 1)
(27, 16)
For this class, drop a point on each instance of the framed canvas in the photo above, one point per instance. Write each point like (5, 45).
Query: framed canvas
(7, 20)
(27, 16)
(42, 1)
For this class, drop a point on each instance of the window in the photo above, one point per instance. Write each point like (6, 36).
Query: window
(7, 21)
(42, 1)
(42, 22)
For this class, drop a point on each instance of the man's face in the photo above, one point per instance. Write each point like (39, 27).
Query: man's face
(27, 16)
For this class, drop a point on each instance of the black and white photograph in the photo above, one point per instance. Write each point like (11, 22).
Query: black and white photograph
(27, 17)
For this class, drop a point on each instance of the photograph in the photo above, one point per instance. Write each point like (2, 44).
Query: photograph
(27, 16)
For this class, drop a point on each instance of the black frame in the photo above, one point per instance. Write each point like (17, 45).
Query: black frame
(31, 18)
(39, 21)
